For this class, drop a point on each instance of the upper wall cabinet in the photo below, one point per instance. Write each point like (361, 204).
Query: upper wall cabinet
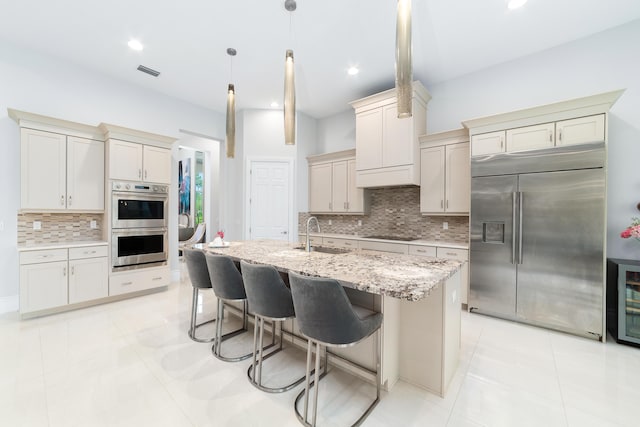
(332, 186)
(138, 156)
(61, 164)
(445, 173)
(577, 121)
(387, 148)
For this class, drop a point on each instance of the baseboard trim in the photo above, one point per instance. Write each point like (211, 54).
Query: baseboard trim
(9, 304)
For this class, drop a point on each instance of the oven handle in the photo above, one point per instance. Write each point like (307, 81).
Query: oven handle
(139, 196)
(138, 231)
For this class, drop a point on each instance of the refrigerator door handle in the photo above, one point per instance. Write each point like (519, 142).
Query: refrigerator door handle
(514, 210)
(520, 199)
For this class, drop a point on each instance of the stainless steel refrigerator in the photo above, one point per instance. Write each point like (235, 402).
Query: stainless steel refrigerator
(538, 236)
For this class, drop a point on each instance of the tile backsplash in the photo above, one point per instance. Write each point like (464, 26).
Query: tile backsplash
(58, 228)
(394, 211)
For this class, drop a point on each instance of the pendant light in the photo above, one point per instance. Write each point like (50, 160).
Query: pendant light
(404, 68)
(289, 88)
(231, 111)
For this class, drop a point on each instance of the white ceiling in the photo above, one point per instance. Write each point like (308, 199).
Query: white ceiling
(187, 41)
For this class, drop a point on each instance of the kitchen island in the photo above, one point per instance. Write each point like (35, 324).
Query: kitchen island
(418, 296)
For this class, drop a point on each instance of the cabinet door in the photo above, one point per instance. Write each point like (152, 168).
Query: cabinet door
(580, 131)
(530, 137)
(157, 164)
(369, 139)
(125, 160)
(42, 169)
(488, 143)
(432, 174)
(43, 286)
(320, 188)
(85, 174)
(88, 279)
(355, 195)
(458, 178)
(460, 255)
(339, 179)
(397, 141)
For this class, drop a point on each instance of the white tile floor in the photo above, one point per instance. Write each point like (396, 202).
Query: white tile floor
(131, 364)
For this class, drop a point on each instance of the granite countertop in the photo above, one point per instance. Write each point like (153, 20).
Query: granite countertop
(61, 245)
(417, 242)
(400, 276)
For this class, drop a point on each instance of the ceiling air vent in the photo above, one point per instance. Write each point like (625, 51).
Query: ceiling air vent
(148, 70)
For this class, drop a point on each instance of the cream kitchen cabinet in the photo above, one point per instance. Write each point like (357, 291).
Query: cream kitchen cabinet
(387, 150)
(132, 161)
(138, 280)
(54, 278)
(339, 242)
(579, 130)
(332, 187)
(445, 173)
(446, 252)
(60, 172)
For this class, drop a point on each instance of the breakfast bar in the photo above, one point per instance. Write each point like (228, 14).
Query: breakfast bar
(419, 298)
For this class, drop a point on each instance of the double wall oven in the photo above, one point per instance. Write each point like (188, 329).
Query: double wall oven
(139, 219)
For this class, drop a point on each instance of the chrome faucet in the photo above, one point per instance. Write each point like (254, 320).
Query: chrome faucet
(307, 246)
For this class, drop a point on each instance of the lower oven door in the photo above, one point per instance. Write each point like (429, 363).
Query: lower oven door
(138, 248)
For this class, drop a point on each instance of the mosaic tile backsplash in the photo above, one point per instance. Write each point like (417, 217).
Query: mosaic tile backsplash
(58, 228)
(395, 211)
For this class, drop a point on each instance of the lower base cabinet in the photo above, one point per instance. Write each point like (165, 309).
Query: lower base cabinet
(52, 278)
(138, 280)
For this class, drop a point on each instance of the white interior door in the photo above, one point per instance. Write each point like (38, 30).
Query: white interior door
(269, 200)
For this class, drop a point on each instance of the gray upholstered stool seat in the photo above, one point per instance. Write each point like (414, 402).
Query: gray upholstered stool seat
(199, 276)
(327, 318)
(227, 285)
(269, 299)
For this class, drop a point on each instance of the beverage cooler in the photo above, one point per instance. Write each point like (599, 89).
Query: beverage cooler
(623, 300)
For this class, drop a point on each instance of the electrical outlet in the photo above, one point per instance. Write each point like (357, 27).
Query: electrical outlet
(37, 225)
(1, 225)
(93, 224)
(330, 222)
(445, 225)
(359, 223)
(454, 297)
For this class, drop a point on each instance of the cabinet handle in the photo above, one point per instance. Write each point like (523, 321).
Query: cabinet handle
(550, 136)
(441, 204)
(126, 283)
(560, 135)
(89, 252)
(451, 254)
(139, 173)
(447, 204)
(62, 200)
(330, 206)
(347, 205)
(145, 174)
(330, 241)
(64, 271)
(44, 256)
(69, 200)
(73, 271)
(421, 250)
(501, 142)
(157, 278)
(344, 205)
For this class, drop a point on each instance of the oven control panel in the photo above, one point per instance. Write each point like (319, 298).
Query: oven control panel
(137, 187)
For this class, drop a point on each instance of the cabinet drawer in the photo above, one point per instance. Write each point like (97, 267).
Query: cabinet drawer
(488, 143)
(422, 250)
(123, 283)
(530, 137)
(45, 255)
(398, 248)
(88, 252)
(339, 243)
(451, 253)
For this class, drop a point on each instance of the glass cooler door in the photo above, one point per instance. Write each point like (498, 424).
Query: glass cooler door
(629, 304)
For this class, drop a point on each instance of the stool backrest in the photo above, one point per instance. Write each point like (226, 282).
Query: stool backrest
(267, 294)
(197, 268)
(226, 279)
(323, 310)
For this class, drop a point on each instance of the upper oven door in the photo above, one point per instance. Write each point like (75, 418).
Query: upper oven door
(133, 210)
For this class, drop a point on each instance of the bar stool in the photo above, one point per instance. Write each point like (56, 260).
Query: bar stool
(199, 276)
(227, 284)
(325, 316)
(269, 299)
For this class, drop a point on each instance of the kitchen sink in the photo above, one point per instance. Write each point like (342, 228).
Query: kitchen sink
(325, 249)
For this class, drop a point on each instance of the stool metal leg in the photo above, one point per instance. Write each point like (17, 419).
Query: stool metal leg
(216, 349)
(193, 326)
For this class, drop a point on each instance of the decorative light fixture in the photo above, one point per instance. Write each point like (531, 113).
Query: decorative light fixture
(515, 4)
(289, 88)
(231, 111)
(404, 69)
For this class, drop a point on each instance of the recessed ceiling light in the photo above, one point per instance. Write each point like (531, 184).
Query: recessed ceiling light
(274, 104)
(135, 44)
(352, 71)
(514, 4)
